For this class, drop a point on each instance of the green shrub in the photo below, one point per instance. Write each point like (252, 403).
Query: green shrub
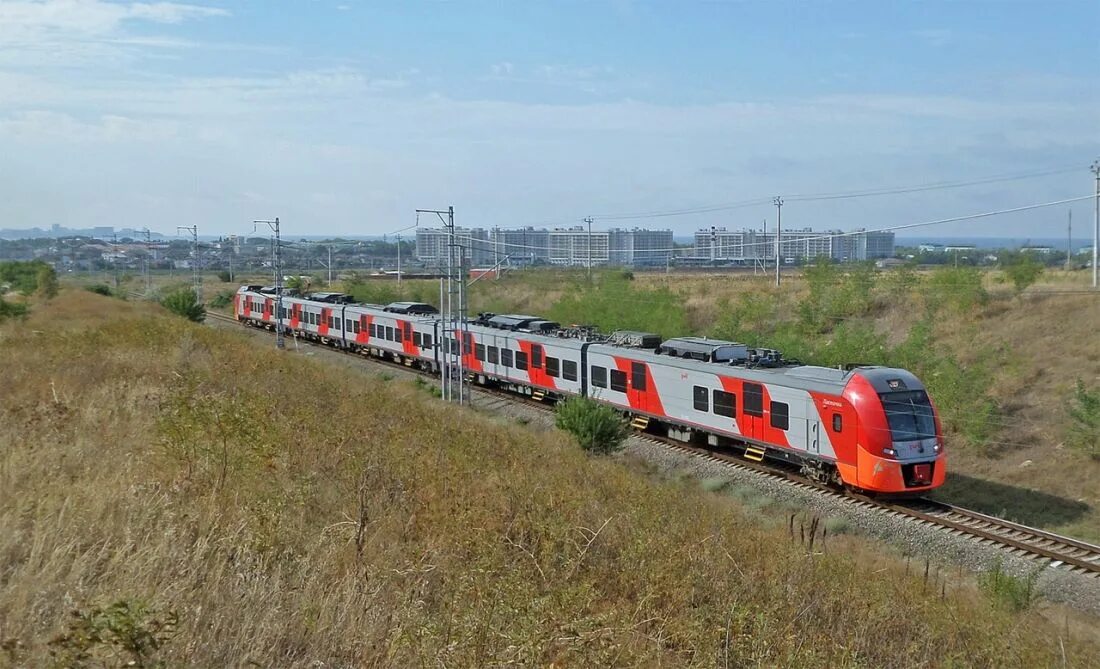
(22, 277)
(99, 289)
(184, 302)
(225, 276)
(1084, 414)
(99, 637)
(222, 299)
(597, 428)
(11, 309)
(46, 280)
(960, 287)
(1016, 593)
(1023, 271)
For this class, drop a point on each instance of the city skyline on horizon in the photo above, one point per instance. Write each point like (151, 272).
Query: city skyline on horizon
(348, 117)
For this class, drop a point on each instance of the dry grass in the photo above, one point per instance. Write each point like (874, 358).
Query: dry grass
(293, 515)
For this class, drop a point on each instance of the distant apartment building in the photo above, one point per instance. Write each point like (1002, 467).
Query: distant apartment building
(721, 245)
(573, 247)
(432, 246)
(520, 246)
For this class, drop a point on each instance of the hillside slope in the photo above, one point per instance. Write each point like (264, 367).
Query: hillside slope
(197, 500)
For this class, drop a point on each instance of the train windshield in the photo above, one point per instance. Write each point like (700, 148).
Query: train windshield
(910, 415)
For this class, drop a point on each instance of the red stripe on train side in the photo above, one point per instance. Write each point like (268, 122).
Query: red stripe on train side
(407, 344)
(755, 427)
(537, 375)
(322, 327)
(365, 322)
(648, 400)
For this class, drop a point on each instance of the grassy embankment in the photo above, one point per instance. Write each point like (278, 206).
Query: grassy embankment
(1001, 366)
(200, 500)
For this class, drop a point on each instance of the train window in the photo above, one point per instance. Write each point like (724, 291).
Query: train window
(521, 360)
(398, 333)
(349, 325)
(427, 339)
(599, 376)
(454, 346)
(389, 333)
(637, 375)
(469, 339)
(506, 357)
(781, 415)
(493, 355)
(725, 404)
(553, 366)
(838, 422)
(416, 340)
(356, 325)
(702, 397)
(536, 356)
(754, 399)
(479, 352)
(618, 381)
(569, 370)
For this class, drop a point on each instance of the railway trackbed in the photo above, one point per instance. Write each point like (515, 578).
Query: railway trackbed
(1059, 552)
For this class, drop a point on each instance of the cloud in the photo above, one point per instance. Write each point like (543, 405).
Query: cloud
(501, 69)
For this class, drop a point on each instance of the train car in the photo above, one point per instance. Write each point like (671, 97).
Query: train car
(871, 428)
(253, 306)
(531, 362)
(409, 338)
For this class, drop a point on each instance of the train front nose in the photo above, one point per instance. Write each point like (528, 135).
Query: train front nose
(903, 466)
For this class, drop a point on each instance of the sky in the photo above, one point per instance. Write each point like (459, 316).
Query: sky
(344, 117)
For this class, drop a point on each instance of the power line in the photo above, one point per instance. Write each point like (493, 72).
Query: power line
(473, 241)
(811, 197)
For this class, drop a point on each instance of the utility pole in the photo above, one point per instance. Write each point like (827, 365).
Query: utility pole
(114, 257)
(778, 232)
(196, 275)
(496, 251)
(398, 259)
(330, 264)
(588, 220)
(1069, 240)
(763, 255)
(1096, 226)
(276, 257)
(145, 261)
(453, 340)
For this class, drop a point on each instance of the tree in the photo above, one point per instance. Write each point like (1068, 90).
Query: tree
(183, 302)
(46, 279)
(224, 276)
(597, 428)
(1084, 413)
(1023, 271)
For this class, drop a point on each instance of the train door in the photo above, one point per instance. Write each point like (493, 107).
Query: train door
(813, 428)
(636, 392)
(753, 401)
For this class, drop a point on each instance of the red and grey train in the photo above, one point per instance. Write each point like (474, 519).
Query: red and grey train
(870, 428)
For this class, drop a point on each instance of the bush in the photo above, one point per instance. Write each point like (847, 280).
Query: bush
(1084, 413)
(597, 428)
(127, 631)
(1016, 593)
(225, 276)
(99, 289)
(222, 299)
(183, 302)
(22, 276)
(1023, 271)
(11, 309)
(46, 279)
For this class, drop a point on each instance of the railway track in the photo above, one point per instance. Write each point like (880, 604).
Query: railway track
(1016, 539)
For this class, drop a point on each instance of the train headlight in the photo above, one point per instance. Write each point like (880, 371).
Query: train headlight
(937, 447)
(889, 452)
